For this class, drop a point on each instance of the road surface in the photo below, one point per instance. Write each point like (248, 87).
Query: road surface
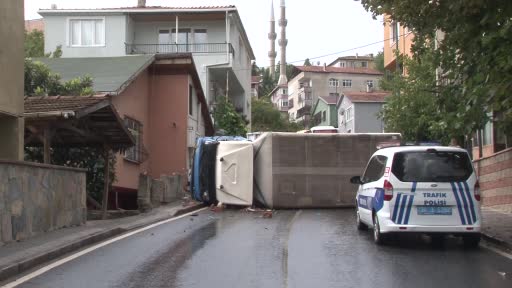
(294, 248)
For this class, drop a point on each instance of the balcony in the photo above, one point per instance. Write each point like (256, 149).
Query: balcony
(303, 111)
(209, 48)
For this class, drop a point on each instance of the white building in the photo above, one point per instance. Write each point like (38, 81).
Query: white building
(314, 81)
(214, 35)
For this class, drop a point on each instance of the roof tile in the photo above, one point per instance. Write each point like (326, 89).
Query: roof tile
(377, 96)
(38, 104)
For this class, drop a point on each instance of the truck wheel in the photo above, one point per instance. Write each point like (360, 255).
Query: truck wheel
(378, 237)
(359, 223)
(471, 241)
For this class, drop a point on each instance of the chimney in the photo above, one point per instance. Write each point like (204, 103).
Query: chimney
(54, 6)
(357, 56)
(371, 55)
(325, 66)
(141, 3)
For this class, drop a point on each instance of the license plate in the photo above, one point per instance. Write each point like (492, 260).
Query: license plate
(434, 210)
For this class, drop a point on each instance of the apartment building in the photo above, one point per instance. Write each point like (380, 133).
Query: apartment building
(366, 61)
(313, 82)
(214, 35)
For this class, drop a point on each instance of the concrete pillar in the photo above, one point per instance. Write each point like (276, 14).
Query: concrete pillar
(11, 80)
(144, 193)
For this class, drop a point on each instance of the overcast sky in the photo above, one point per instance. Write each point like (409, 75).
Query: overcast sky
(315, 28)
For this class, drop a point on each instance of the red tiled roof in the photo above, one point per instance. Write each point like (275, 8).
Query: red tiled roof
(35, 24)
(377, 96)
(148, 8)
(330, 99)
(38, 104)
(330, 69)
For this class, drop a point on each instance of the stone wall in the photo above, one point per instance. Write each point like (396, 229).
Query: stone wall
(154, 192)
(495, 176)
(36, 198)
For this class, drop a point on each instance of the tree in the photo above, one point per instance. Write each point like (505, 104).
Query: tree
(413, 109)
(379, 61)
(227, 119)
(473, 50)
(255, 70)
(268, 83)
(34, 46)
(267, 118)
(307, 62)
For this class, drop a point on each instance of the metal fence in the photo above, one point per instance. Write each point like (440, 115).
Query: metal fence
(179, 48)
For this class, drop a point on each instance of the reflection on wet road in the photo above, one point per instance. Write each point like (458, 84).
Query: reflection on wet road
(306, 248)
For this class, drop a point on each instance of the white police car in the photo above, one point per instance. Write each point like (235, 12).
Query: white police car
(432, 190)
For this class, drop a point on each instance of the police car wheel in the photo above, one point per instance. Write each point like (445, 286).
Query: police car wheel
(360, 224)
(471, 241)
(378, 238)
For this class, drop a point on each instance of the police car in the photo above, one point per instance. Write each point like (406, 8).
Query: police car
(432, 190)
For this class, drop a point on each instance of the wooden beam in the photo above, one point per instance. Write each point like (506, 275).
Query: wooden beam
(106, 178)
(93, 108)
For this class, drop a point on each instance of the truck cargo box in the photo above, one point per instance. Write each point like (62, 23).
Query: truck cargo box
(294, 170)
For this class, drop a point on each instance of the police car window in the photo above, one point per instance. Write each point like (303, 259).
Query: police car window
(375, 169)
(432, 166)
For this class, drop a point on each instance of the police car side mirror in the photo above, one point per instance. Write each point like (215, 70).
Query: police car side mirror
(356, 180)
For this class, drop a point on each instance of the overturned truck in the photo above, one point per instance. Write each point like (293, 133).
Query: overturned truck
(311, 170)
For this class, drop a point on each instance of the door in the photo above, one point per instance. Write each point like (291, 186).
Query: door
(372, 182)
(433, 188)
(164, 41)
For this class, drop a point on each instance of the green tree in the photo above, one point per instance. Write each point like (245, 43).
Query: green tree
(307, 62)
(379, 61)
(255, 70)
(34, 44)
(227, 119)
(267, 118)
(474, 55)
(268, 83)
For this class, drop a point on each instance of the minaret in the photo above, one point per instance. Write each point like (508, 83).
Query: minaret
(282, 43)
(272, 37)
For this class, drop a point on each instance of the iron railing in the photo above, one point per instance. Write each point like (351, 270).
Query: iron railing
(179, 48)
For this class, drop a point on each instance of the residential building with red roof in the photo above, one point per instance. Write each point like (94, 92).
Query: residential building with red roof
(312, 82)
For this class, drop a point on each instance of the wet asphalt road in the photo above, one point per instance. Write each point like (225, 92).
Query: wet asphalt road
(305, 248)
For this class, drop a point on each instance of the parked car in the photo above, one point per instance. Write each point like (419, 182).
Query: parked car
(432, 190)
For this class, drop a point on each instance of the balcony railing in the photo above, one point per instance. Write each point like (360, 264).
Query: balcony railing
(303, 111)
(179, 48)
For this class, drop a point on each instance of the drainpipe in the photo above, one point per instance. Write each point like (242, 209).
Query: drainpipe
(177, 32)
(228, 31)
(63, 114)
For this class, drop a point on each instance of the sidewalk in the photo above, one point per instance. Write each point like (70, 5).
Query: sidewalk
(17, 257)
(497, 225)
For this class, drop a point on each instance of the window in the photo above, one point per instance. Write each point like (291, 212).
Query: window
(86, 32)
(324, 116)
(342, 64)
(190, 100)
(284, 103)
(334, 82)
(348, 114)
(375, 169)
(135, 127)
(369, 83)
(334, 94)
(347, 83)
(364, 64)
(435, 166)
(284, 91)
(290, 103)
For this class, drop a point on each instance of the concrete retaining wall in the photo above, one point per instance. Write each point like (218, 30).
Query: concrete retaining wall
(154, 192)
(36, 198)
(495, 176)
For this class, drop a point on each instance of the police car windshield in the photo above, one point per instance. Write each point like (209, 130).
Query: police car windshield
(428, 166)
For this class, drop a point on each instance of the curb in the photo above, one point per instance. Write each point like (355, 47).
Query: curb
(496, 241)
(27, 264)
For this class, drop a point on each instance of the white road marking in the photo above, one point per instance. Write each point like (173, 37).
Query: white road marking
(497, 251)
(90, 249)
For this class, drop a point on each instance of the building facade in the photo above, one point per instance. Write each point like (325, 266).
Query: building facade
(313, 82)
(357, 61)
(359, 112)
(214, 35)
(397, 38)
(324, 112)
(11, 80)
